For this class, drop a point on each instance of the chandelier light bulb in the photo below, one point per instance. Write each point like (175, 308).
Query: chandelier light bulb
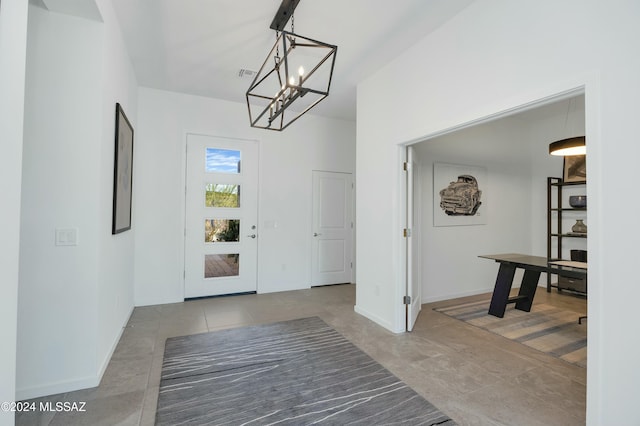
(301, 71)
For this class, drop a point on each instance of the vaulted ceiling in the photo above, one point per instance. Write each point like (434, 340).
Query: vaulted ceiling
(199, 46)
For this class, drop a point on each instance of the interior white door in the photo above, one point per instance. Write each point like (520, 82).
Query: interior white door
(221, 216)
(332, 228)
(414, 288)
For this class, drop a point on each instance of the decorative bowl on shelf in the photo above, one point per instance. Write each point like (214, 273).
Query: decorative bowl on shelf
(578, 201)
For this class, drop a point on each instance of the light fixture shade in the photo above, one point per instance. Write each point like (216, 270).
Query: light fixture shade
(287, 87)
(570, 146)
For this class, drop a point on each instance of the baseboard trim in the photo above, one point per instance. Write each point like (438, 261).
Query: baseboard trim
(381, 322)
(73, 384)
(456, 295)
(114, 345)
(57, 387)
(468, 293)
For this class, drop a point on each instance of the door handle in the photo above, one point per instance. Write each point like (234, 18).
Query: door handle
(315, 234)
(251, 236)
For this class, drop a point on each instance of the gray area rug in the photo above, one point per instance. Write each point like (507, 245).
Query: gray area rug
(296, 372)
(546, 328)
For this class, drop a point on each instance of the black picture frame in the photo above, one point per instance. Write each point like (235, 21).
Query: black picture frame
(574, 168)
(122, 173)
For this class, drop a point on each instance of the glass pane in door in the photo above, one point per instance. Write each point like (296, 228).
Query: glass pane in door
(222, 195)
(221, 230)
(222, 160)
(221, 265)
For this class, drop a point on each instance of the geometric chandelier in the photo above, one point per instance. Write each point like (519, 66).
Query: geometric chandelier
(290, 81)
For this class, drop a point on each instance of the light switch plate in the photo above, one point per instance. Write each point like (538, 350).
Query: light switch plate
(66, 236)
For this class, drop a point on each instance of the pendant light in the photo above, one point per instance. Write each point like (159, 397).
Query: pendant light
(570, 146)
(288, 86)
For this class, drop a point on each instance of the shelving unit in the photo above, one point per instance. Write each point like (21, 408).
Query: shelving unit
(557, 213)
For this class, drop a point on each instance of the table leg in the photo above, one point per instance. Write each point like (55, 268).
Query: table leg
(528, 289)
(500, 297)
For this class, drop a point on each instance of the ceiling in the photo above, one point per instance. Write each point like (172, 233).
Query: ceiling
(199, 46)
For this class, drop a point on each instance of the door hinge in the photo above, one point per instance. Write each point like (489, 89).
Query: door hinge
(351, 265)
(406, 232)
(406, 300)
(405, 166)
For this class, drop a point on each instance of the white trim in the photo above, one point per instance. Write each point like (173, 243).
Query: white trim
(75, 384)
(58, 387)
(457, 295)
(400, 309)
(114, 345)
(381, 322)
(564, 94)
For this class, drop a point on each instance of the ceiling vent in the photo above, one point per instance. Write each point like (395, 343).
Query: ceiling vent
(245, 73)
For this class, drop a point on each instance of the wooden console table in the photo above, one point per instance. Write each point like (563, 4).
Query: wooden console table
(533, 266)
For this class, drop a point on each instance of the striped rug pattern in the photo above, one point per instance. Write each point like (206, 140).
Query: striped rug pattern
(296, 372)
(546, 328)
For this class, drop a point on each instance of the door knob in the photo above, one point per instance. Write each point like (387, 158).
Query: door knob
(251, 236)
(315, 234)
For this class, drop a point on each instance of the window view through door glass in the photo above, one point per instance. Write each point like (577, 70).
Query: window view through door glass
(221, 230)
(222, 195)
(221, 265)
(223, 160)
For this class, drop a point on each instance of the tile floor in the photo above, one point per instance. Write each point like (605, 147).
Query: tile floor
(476, 377)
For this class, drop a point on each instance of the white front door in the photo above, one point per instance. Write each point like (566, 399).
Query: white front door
(414, 289)
(221, 216)
(332, 228)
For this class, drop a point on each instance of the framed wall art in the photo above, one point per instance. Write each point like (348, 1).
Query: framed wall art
(575, 168)
(122, 173)
(459, 195)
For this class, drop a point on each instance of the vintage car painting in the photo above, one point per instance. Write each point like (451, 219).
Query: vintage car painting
(461, 198)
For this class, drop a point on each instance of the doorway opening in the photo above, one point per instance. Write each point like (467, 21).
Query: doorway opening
(514, 149)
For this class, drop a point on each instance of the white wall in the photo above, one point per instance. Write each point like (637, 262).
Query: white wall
(115, 256)
(286, 162)
(73, 300)
(506, 207)
(492, 57)
(13, 48)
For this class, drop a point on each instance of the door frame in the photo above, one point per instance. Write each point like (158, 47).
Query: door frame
(413, 245)
(588, 88)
